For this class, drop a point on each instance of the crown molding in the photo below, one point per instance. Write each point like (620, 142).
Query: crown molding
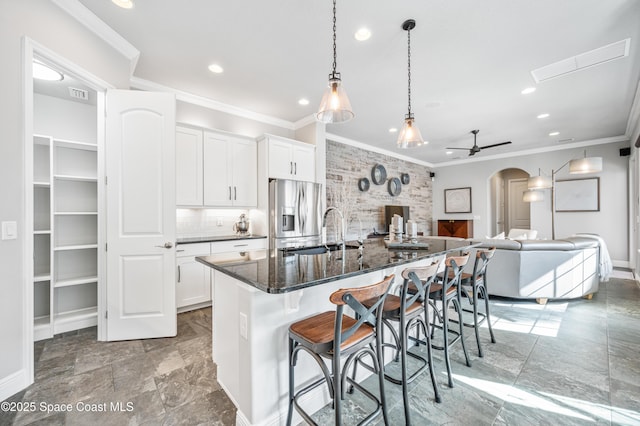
(139, 83)
(305, 121)
(351, 142)
(80, 13)
(582, 144)
(633, 123)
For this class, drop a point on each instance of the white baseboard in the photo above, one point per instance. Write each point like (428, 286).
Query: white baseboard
(13, 384)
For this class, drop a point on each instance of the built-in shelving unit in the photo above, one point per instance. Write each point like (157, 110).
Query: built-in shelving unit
(65, 235)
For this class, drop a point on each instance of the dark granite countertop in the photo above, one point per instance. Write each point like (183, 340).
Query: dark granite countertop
(277, 271)
(190, 240)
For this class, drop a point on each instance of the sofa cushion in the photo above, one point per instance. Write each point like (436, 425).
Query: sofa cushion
(499, 244)
(582, 242)
(527, 245)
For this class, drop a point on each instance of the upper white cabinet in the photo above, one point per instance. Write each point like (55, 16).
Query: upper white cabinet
(289, 159)
(215, 169)
(189, 165)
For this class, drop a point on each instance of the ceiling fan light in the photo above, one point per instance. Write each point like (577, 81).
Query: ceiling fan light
(539, 182)
(43, 72)
(335, 106)
(532, 196)
(410, 136)
(585, 165)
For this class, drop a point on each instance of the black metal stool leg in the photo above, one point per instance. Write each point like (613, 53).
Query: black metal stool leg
(291, 382)
(487, 312)
(476, 323)
(456, 303)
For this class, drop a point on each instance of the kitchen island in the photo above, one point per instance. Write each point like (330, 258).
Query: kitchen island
(259, 293)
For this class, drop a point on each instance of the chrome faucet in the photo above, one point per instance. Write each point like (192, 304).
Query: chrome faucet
(342, 222)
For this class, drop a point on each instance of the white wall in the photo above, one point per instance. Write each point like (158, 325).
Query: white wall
(611, 222)
(64, 119)
(46, 24)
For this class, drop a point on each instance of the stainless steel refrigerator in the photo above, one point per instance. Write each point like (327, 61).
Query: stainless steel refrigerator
(295, 211)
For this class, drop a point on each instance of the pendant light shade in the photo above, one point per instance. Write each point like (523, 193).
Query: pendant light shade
(539, 182)
(335, 106)
(410, 136)
(585, 165)
(532, 196)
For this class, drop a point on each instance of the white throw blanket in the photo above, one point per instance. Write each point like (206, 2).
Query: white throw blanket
(606, 266)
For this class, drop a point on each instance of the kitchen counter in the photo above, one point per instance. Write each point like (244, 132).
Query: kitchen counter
(280, 271)
(211, 239)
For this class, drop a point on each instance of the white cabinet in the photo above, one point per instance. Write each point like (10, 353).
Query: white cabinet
(193, 281)
(215, 169)
(189, 167)
(289, 159)
(65, 235)
(230, 172)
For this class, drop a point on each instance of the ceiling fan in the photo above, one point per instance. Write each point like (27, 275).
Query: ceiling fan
(476, 149)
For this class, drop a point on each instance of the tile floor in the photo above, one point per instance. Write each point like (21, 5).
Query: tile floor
(567, 363)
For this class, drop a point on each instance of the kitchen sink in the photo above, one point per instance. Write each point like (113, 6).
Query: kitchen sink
(315, 249)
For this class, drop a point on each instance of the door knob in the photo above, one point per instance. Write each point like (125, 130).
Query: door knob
(166, 245)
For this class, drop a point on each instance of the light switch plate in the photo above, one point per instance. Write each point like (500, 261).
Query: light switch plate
(9, 230)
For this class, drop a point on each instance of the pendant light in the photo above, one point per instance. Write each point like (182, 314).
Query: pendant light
(409, 136)
(335, 106)
(585, 165)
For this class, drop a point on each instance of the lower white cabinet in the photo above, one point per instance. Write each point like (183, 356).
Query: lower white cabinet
(193, 281)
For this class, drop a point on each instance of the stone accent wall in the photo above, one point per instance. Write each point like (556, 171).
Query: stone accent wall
(347, 164)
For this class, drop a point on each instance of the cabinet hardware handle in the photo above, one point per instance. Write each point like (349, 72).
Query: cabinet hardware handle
(295, 168)
(179, 251)
(229, 193)
(235, 193)
(166, 245)
(291, 167)
(241, 245)
(178, 273)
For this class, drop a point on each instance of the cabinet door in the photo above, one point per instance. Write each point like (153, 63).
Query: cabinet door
(193, 284)
(218, 188)
(280, 159)
(304, 162)
(189, 190)
(244, 172)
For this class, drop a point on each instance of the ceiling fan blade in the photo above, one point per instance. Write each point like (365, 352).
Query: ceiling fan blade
(495, 144)
(466, 149)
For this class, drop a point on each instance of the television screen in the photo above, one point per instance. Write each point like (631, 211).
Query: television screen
(389, 211)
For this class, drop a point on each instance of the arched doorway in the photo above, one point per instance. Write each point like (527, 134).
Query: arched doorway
(507, 209)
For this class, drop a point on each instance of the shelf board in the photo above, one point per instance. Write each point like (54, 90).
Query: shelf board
(42, 321)
(42, 232)
(75, 213)
(41, 184)
(76, 247)
(41, 278)
(76, 178)
(63, 143)
(76, 281)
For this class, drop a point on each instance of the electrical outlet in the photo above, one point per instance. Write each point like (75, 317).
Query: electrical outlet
(9, 230)
(243, 325)
(219, 222)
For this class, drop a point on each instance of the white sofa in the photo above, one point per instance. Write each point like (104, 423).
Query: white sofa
(543, 269)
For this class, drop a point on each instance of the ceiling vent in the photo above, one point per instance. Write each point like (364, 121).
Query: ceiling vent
(79, 93)
(588, 59)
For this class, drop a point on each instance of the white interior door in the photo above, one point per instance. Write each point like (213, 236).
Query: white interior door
(141, 221)
(519, 211)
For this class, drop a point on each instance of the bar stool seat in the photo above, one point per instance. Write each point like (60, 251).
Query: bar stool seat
(333, 335)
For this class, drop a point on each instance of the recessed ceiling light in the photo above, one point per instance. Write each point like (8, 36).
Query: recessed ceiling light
(125, 4)
(449, 152)
(43, 72)
(545, 115)
(362, 34)
(393, 130)
(216, 69)
(303, 101)
(554, 133)
(528, 90)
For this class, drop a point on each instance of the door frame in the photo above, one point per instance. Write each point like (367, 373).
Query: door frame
(31, 49)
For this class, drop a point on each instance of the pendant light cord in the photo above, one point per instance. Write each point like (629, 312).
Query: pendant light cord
(334, 39)
(409, 69)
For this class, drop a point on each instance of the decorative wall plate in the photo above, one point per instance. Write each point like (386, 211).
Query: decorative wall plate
(363, 184)
(378, 174)
(394, 187)
(404, 177)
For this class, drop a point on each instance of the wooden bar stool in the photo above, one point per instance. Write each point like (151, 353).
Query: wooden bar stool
(332, 335)
(447, 292)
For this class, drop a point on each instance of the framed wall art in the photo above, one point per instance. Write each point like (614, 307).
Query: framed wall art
(457, 200)
(578, 195)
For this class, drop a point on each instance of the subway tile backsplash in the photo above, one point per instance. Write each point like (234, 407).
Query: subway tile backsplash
(207, 222)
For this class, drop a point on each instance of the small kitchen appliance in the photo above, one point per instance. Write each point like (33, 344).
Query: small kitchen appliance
(242, 226)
